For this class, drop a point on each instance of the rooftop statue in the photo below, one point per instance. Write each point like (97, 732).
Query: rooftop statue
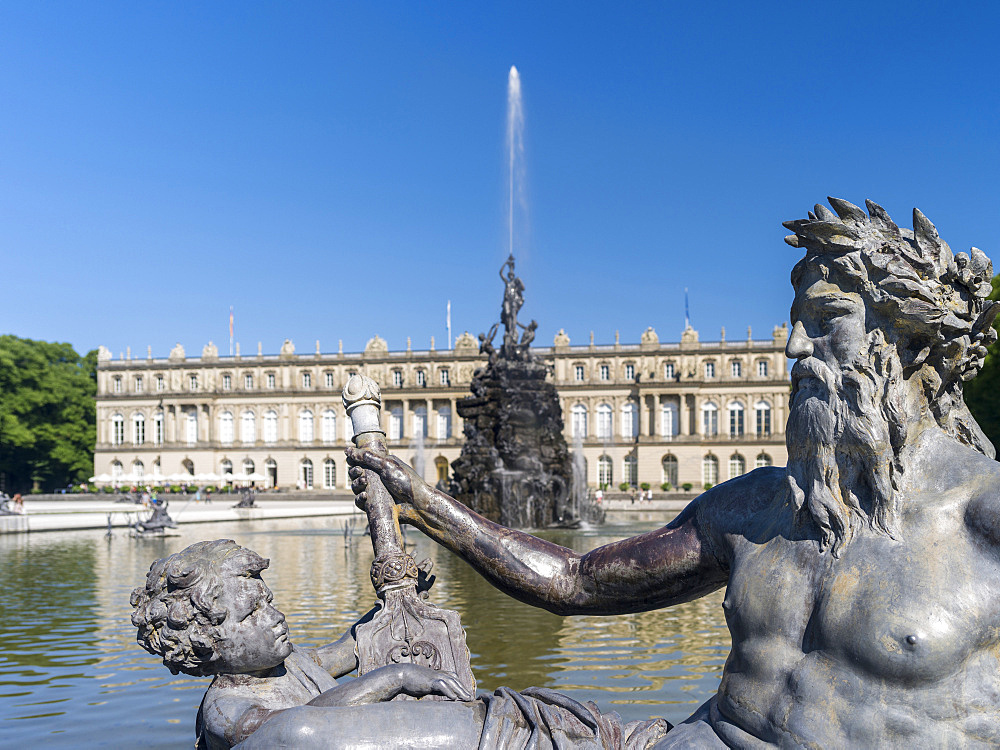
(862, 580)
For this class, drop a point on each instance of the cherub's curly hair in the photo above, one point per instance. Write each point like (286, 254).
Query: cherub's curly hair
(176, 611)
(937, 299)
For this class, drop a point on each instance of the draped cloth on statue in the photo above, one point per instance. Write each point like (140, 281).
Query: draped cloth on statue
(542, 719)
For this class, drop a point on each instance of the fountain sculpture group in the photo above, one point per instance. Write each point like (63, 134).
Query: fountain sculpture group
(515, 468)
(862, 581)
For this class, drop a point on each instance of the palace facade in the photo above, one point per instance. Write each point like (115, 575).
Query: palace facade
(688, 412)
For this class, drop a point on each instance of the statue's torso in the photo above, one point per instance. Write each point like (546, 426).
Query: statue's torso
(895, 642)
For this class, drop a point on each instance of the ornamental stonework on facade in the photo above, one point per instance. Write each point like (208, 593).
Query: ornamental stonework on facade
(691, 412)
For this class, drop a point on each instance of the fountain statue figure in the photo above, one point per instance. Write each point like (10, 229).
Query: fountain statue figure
(515, 467)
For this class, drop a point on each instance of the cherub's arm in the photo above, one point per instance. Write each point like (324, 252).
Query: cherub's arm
(340, 657)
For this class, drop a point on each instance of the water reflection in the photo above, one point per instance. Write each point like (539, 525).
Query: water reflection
(71, 674)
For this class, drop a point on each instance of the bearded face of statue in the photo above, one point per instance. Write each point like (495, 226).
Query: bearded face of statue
(840, 457)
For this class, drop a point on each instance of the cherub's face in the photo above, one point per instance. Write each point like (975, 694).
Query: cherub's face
(254, 636)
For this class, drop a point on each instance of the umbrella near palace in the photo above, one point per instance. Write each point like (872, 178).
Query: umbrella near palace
(101, 478)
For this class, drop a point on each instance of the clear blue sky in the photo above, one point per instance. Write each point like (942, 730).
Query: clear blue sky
(334, 172)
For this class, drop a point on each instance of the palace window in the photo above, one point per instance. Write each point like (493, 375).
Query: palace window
(444, 423)
(630, 469)
(709, 419)
(328, 379)
(117, 429)
(138, 429)
(668, 468)
(158, 428)
(420, 421)
(668, 371)
(605, 372)
(396, 423)
(735, 369)
(630, 420)
(630, 372)
(226, 428)
(116, 384)
(138, 384)
(397, 378)
(307, 474)
(579, 421)
(578, 373)
(138, 470)
(604, 421)
(669, 423)
(160, 384)
(763, 411)
(248, 382)
(248, 427)
(605, 475)
(737, 466)
(226, 467)
(710, 470)
(271, 426)
(248, 467)
(421, 379)
(445, 377)
(762, 460)
(762, 368)
(269, 379)
(191, 431)
(227, 382)
(193, 382)
(306, 428)
(307, 380)
(117, 471)
(709, 370)
(735, 419)
(329, 426)
(329, 474)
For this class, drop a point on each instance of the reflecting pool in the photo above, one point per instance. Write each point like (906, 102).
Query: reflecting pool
(71, 674)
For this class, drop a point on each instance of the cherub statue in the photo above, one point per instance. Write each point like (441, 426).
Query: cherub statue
(207, 611)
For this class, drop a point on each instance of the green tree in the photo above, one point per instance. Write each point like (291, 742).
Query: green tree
(47, 414)
(982, 393)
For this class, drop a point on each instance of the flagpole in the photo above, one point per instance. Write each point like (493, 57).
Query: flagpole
(687, 313)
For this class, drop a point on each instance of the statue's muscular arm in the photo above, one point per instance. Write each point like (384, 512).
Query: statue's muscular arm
(674, 564)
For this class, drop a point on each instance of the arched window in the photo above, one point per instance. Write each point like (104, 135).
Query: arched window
(420, 421)
(579, 423)
(736, 369)
(158, 428)
(306, 474)
(605, 475)
(192, 427)
(156, 471)
(604, 421)
(762, 460)
(138, 429)
(763, 412)
(630, 470)
(735, 419)
(441, 466)
(737, 466)
(709, 419)
(668, 464)
(329, 474)
(306, 431)
(630, 420)
(444, 423)
(248, 467)
(762, 368)
(226, 467)
(669, 423)
(226, 428)
(396, 423)
(710, 470)
(138, 470)
(329, 426)
(271, 471)
(117, 429)
(116, 471)
(270, 426)
(248, 427)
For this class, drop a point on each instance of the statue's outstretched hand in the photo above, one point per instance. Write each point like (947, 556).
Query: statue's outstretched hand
(419, 681)
(398, 478)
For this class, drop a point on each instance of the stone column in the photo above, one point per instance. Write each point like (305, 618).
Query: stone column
(682, 416)
(454, 416)
(403, 431)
